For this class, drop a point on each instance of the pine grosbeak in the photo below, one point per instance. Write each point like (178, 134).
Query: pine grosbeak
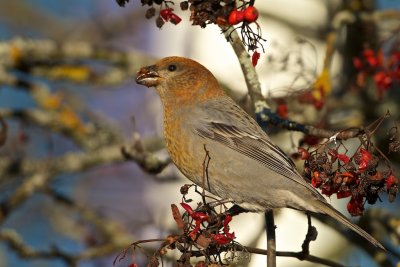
(245, 166)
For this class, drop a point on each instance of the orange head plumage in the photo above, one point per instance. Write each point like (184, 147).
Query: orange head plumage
(180, 81)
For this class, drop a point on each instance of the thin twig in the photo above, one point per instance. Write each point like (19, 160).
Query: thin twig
(310, 236)
(3, 131)
(288, 254)
(271, 240)
(206, 162)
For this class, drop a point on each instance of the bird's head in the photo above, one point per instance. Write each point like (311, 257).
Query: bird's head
(180, 79)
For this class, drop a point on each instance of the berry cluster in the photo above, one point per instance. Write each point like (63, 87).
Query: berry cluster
(282, 108)
(384, 71)
(204, 223)
(210, 12)
(247, 14)
(224, 13)
(196, 226)
(204, 231)
(165, 13)
(309, 98)
(362, 176)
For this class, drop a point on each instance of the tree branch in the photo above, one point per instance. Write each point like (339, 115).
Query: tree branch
(271, 239)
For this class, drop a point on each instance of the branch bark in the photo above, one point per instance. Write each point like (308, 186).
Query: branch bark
(271, 239)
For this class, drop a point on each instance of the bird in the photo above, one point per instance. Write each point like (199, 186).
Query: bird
(244, 167)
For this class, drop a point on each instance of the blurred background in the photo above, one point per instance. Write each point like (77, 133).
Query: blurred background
(69, 197)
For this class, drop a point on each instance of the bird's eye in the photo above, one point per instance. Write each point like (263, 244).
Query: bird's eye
(172, 67)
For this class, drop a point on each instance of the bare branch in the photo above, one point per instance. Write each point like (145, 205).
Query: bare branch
(3, 131)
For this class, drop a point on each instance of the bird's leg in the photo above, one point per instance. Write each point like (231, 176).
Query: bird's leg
(311, 235)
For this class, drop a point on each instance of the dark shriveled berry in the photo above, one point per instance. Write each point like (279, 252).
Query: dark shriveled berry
(146, 2)
(150, 12)
(184, 5)
(159, 22)
(122, 2)
(394, 146)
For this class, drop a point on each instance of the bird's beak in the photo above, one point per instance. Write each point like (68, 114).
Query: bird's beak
(148, 76)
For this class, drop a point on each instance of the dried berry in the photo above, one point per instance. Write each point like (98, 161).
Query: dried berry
(159, 22)
(323, 158)
(122, 2)
(333, 154)
(184, 189)
(392, 192)
(355, 206)
(328, 189)
(201, 264)
(184, 5)
(394, 146)
(357, 63)
(304, 154)
(150, 12)
(372, 196)
(343, 194)
(146, 2)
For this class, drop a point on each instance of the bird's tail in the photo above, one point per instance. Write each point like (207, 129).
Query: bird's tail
(329, 210)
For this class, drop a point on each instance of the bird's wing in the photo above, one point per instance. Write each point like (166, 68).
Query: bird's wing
(247, 138)
(250, 145)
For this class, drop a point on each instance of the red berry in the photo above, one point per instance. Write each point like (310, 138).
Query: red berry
(372, 61)
(166, 13)
(357, 63)
(316, 180)
(343, 194)
(199, 216)
(328, 190)
(282, 110)
(254, 58)
(319, 104)
(391, 180)
(355, 206)
(344, 158)
(333, 153)
(235, 17)
(304, 154)
(221, 239)
(175, 19)
(187, 208)
(251, 14)
(368, 53)
(383, 80)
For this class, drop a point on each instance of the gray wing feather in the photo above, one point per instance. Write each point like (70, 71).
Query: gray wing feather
(229, 130)
(251, 146)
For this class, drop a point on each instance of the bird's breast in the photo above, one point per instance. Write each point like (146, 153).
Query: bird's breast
(179, 143)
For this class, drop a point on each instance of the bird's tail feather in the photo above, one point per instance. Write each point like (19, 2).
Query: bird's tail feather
(329, 210)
